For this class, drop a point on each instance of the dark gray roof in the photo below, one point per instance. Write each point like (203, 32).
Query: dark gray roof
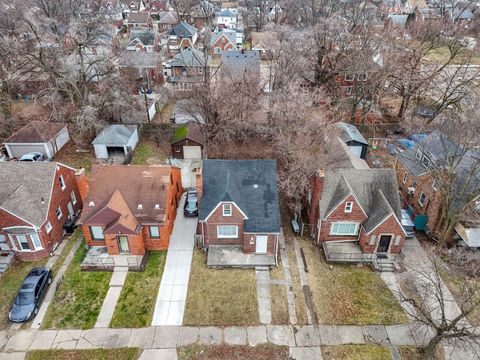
(375, 189)
(251, 184)
(23, 186)
(189, 57)
(350, 132)
(183, 30)
(115, 135)
(239, 62)
(145, 36)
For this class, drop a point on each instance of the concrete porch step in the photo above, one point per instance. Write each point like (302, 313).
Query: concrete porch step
(384, 265)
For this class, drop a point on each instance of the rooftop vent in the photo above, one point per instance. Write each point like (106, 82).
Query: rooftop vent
(91, 203)
(140, 206)
(157, 206)
(255, 186)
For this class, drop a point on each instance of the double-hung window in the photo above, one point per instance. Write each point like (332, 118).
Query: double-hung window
(227, 231)
(154, 232)
(58, 212)
(97, 232)
(62, 182)
(405, 177)
(73, 197)
(227, 209)
(423, 199)
(344, 228)
(22, 239)
(348, 206)
(36, 241)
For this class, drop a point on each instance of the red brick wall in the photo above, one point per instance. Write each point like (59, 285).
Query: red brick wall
(226, 45)
(316, 188)
(357, 215)
(217, 218)
(389, 227)
(249, 243)
(135, 243)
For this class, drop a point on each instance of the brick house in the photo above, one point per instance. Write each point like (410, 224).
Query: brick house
(187, 68)
(146, 65)
(224, 40)
(131, 209)
(36, 199)
(139, 19)
(179, 37)
(239, 217)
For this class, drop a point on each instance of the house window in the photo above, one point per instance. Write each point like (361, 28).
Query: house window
(434, 184)
(216, 50)
(418, 155)
(96, 232)
(373, 238)
(309, 196)
(343, 228)
(398, 238)
(48, 227)
(154, 232)
(36, 241)
(349, 77)
(423, 199)
(58, 212)
(362, 77)
(62, 182)
(227, 231)
(348, 206)
(227, 209)
(73, 197)
(178, 149)
(348, 90)
(405, 177)
(426, 162)
(22, 239)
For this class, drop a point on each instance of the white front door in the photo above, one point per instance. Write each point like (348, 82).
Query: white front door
(70, 210)
(261, 246)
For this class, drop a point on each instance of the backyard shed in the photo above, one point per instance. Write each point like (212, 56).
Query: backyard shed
(187, 142)
(39, 136)
(115, 140)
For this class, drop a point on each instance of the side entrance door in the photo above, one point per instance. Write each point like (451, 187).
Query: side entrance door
(261, 245)
(70, 210)
(384, 243)
(123, 245)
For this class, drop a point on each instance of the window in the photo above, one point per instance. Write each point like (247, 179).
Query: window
(73, 197)
(398, 238)
(227, 209)
(423, 199)
(58, 212)
(348, 90)
(97, 232)
(349, 77)
(178, 149)
(309, 196)
(362, 77)
(227, 231)
(216, 50)
(434, 185)
(22, 239)
(36, 241)
(418, 155)
(348, 206)
(426, 162)
(62, 182)
(154, 232)
(373, 238)
(48, 227)
(339, 228)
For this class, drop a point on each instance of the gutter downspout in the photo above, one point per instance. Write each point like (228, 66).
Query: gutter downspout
(276, 251)
(203, 236)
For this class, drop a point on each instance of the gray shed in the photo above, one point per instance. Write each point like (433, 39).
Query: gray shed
(115, 140)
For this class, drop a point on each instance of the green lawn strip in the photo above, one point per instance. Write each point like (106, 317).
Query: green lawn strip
(348, 294)
(70, 241)
(96, 354)
(146, 150)
(355, 352)
(79, 297)
(10, 282)
(220, 297)
(137, 300)
(223, 352)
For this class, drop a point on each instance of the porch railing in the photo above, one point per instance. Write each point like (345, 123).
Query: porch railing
(357, 257)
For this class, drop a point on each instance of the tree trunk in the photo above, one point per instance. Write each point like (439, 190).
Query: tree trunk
(447, 231)
(430, 350)
(403, 107)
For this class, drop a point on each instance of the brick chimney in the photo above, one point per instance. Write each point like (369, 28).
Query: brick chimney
(199, 186)
(82, 183)
(316, 189)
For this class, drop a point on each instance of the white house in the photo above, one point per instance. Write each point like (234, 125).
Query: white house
(226, 19)
(115, 140)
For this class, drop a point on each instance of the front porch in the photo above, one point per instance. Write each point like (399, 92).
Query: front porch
(233, 256)
(350, 251)
(98, 259)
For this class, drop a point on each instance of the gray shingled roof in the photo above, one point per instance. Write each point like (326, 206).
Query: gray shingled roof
(251, 184)
(375, 189)
(189, 57)
(239, 62)
(23, 186)
(145, 36)
(139, 59)
(115, 135)
(183, 30)
(350, 132)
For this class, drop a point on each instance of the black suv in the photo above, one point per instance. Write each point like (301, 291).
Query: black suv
(190, 208)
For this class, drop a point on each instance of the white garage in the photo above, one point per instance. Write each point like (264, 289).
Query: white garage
(116, 142)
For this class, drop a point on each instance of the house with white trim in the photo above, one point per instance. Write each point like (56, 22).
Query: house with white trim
(36, 199)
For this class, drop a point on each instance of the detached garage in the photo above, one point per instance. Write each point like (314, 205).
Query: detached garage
(116, 142)
(350, 135)
(188, 142)
(38, 136)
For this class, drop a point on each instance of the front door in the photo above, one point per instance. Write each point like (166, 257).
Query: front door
(261, 246)
(70, 210)
(384, 243)
(123, 245)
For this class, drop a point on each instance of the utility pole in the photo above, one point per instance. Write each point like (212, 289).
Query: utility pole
(145, 89)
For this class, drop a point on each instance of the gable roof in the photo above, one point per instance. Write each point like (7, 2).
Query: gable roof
(183, 30)
(350, 132)
(230, 35)
(375, 189)
(225, 13)
(138, 17)
(137, 185)
(115, 135)
(24, 195)
(144, 36)
(36, 132)
(167, 17)
(192, 131)
(189, 57)
(251, 184)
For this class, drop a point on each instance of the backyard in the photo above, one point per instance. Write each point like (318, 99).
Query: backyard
(79, 297)
(148, 153)
(220, 297)
(76, 157)
(137, 299)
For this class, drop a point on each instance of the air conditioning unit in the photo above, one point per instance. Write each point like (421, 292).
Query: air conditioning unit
(411, 190)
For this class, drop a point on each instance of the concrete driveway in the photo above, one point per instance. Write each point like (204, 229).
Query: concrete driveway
(172, 294)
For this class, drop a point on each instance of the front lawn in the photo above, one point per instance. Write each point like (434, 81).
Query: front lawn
(223, 352)
(137, 299)
(79, 297)
(220, 297)
(348, 294)
(10, 282)
(355, 352)
(97, 354)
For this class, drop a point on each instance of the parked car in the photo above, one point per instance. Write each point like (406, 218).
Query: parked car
(30, 295)
(424, 111)
(32, 156)
(407, 224)
(3, 154)
(190, 209)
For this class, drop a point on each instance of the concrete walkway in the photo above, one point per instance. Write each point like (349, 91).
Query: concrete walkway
(170, 304)
(304, 283)
(292, 315)
(37, 321)
(262, 277)
(111, 299)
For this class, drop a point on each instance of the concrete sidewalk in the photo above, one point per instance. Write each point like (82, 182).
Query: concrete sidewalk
(111, 299)
(172, 294)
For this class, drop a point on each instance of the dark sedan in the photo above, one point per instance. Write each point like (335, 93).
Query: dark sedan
(30, 295)
(190, 208)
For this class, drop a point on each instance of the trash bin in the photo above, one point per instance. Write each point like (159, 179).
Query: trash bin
(69, 226)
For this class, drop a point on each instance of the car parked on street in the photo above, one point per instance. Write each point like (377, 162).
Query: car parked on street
(32, 156)
(30, 295)
(190, 209)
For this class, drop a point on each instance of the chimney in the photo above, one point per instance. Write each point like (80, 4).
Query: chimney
(199, 186)
(315, 194)
(82, 183)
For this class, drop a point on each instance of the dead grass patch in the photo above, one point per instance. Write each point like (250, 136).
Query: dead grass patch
(225, 352)
(355, 352)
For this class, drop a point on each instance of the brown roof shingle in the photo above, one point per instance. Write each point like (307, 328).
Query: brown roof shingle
(36, 132)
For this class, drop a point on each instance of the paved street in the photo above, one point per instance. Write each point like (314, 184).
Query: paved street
(170, 304)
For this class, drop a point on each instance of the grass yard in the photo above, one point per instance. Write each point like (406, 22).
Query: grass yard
(347, 294)
(97, 354)
(300, 303)
(137, 299)
(76, 157)
(225, 352)
(442, 54)
(147, 153)
(10, 282)
(220, 297)
(70, 241)
(79, 297)
(278, 297)
(414, 353)
(355, 352)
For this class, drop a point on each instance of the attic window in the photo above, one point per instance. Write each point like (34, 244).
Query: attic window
(140, 207)
(157, 206)
(227, 209)
(255, 186)
(418, 155)
(348, 206)
(91, 203)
